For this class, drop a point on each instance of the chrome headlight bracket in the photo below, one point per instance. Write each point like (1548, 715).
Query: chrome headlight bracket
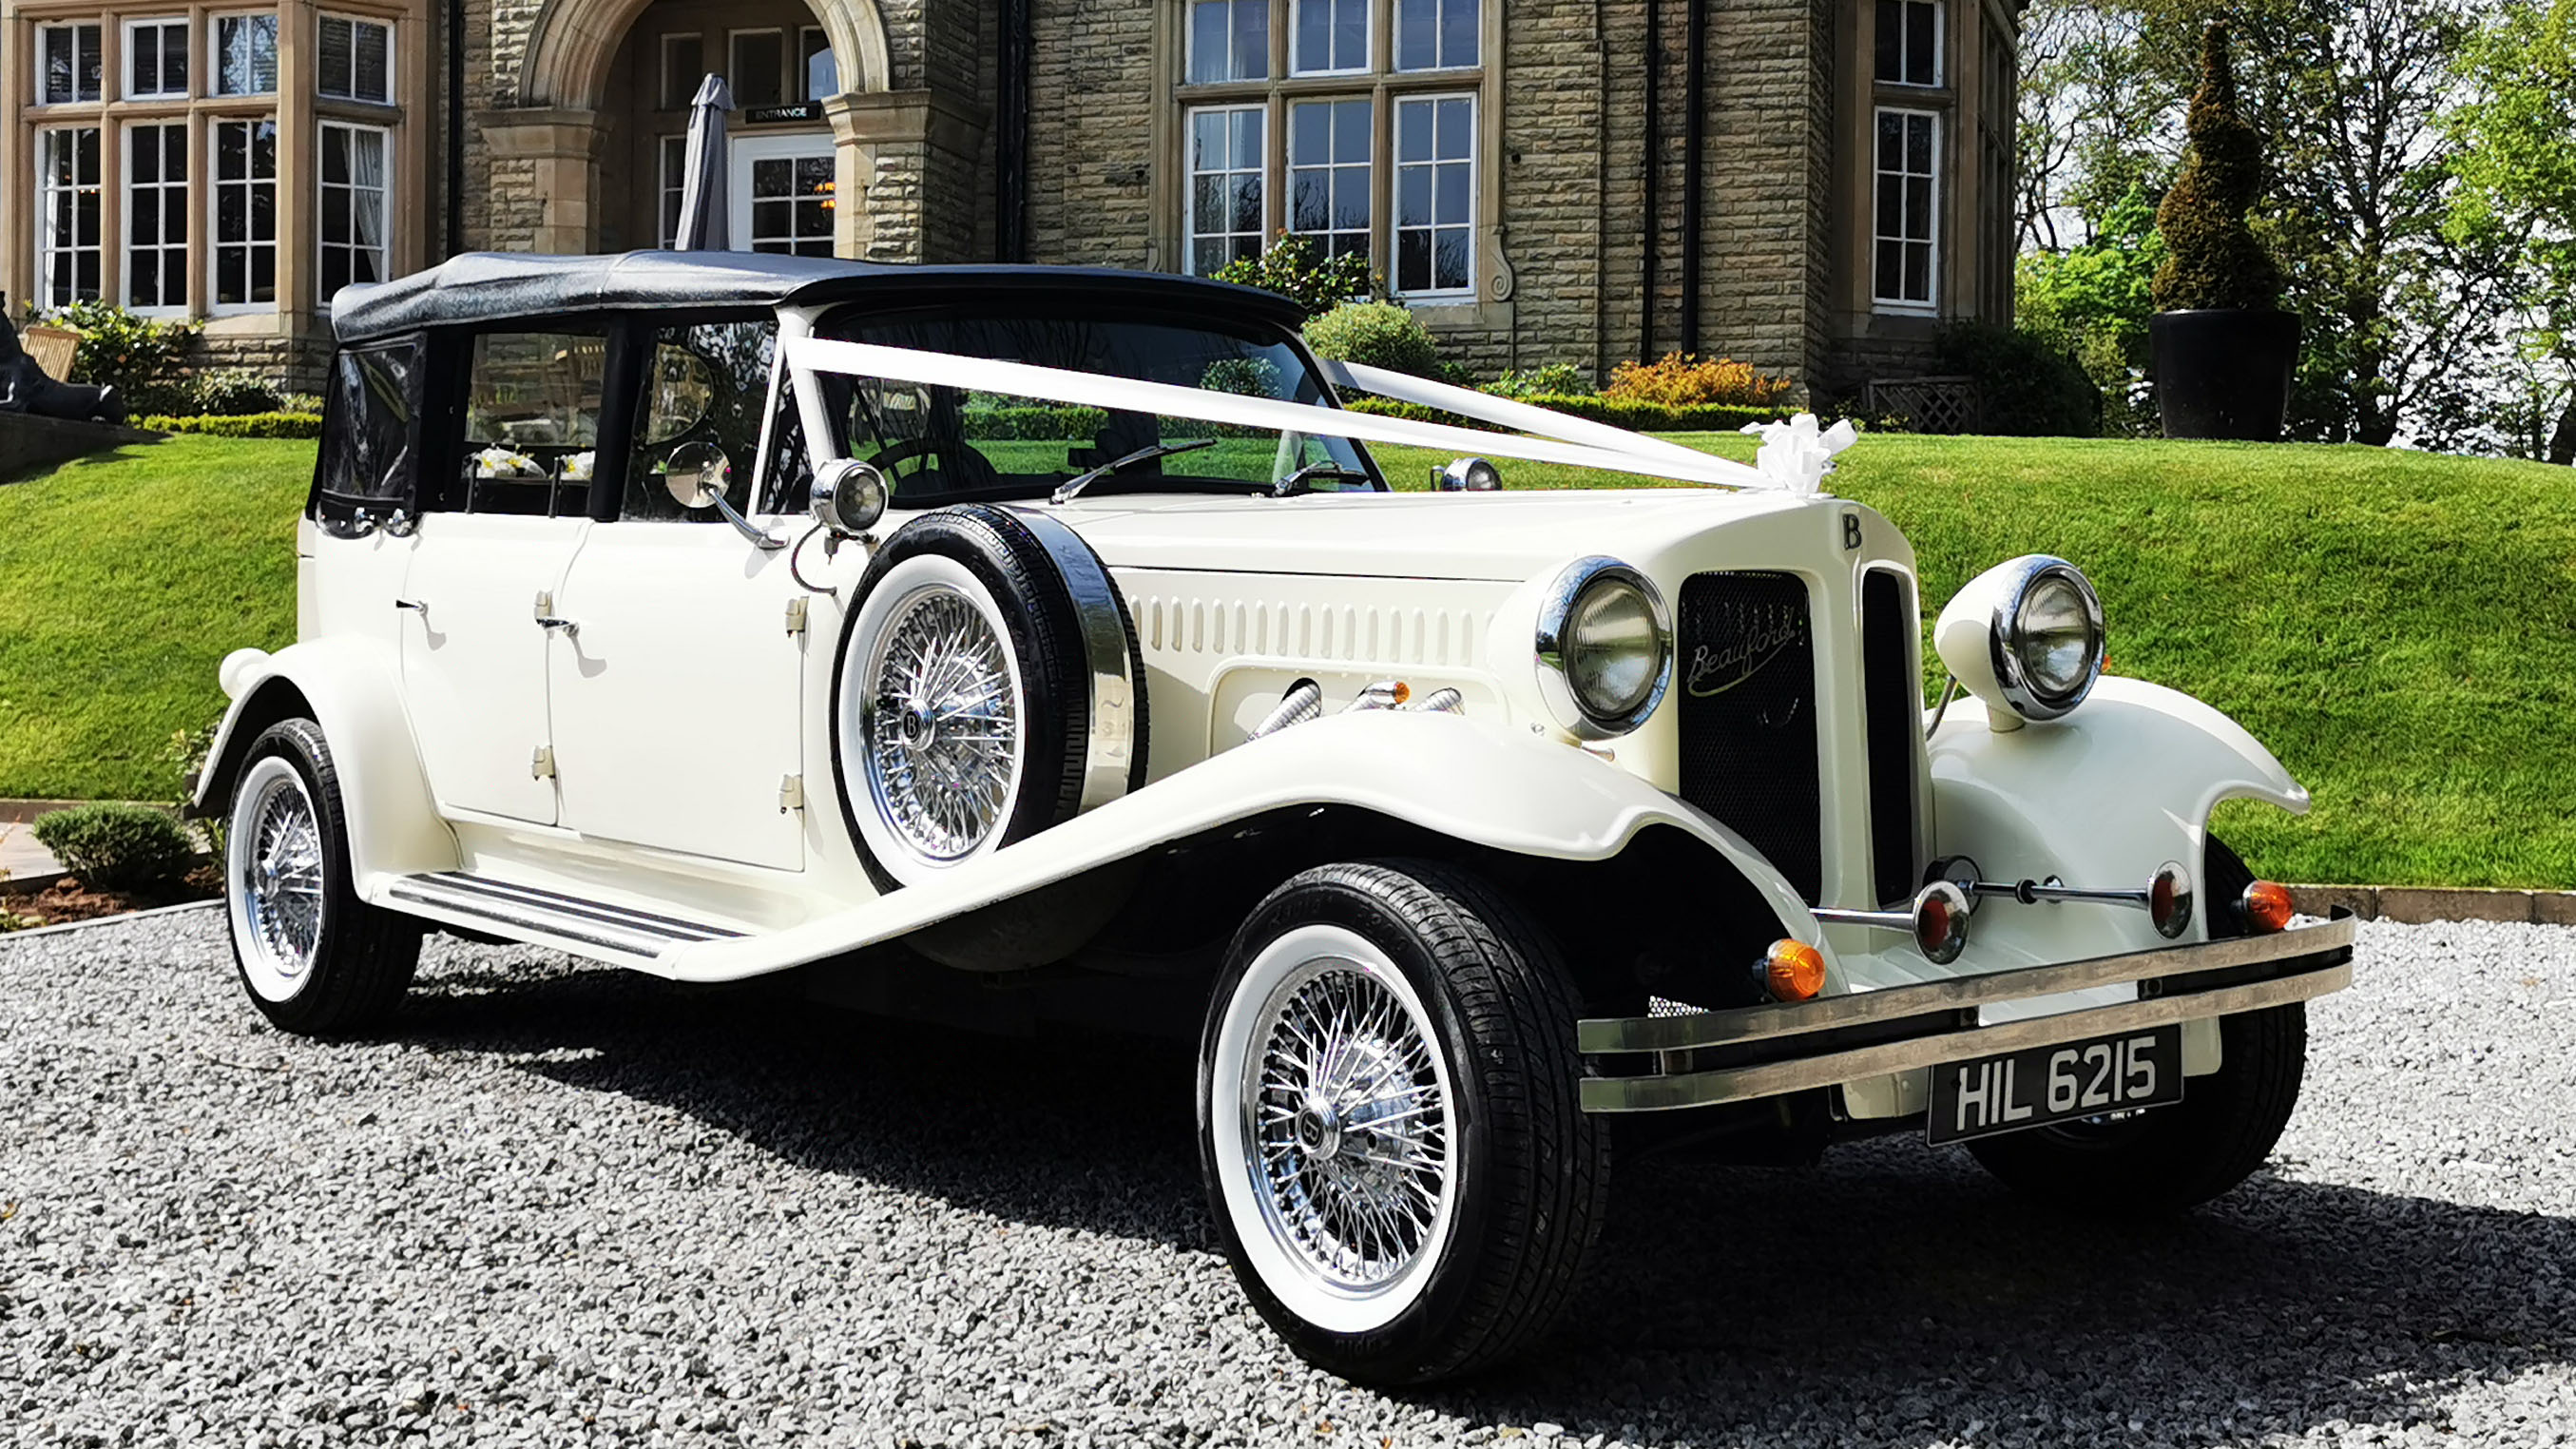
(1556, 613)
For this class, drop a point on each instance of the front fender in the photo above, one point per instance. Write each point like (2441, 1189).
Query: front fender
(2100, 798)
(350, 687)
(1450, 774)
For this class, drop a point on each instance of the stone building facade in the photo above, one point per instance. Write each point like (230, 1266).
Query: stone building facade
(1813, 186)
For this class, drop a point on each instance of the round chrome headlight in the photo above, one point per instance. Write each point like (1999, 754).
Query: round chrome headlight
(2046, 639)
(1605, 648)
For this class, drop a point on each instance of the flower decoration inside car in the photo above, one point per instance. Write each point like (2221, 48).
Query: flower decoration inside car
(499, 462)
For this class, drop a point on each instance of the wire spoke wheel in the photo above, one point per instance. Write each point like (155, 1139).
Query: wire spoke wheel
(941, 723)
(275, 861)
(1350, 1124)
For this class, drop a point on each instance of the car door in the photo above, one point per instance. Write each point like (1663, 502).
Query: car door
(479, 596)
(677, 704)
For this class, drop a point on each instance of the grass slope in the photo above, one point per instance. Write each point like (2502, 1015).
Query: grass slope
(2399, 628)
(124, 579)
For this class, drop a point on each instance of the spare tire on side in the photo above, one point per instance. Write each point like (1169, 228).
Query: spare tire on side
(988, 686)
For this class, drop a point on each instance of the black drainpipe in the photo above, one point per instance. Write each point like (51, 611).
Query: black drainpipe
(1654, 145)
(1011, 137)
(1694, 136)
(455, 126)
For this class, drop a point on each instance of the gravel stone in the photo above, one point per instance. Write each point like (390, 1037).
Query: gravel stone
(566, 1205)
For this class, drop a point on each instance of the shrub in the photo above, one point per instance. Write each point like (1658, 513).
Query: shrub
(2212, 258)
(1554, 379)
(112, 847)
(1376, 334)
(1636, 417)
(254, 425)
(138, 357)
(1291, 268)
(1680, 380)
(2025, 387)
(232, 392)
(1243, 376)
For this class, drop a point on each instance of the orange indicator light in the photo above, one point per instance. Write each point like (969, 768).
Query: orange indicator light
(1794, 970)
(2267, 907)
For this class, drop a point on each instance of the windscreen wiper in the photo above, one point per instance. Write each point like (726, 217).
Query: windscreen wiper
(1295, 483)
(1071, 488)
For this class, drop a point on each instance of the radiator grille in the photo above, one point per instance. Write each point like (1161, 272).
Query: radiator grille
(1894, 701)
(1748, 716)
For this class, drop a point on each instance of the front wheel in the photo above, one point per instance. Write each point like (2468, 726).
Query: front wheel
(2168, 1159)
(1400, 1170)
(315, 959)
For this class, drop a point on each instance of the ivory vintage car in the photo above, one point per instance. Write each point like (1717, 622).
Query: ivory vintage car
(717, 615)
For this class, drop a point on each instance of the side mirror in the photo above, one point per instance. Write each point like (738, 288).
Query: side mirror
(697, 475)
(848, 497)
(1468, 475)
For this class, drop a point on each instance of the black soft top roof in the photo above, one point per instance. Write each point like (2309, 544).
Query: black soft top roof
(483, 287)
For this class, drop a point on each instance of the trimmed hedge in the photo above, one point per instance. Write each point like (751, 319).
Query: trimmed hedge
(1636, 417)
(118, 847)
(248, 425)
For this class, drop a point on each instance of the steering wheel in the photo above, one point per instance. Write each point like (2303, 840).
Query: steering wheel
(958, 465)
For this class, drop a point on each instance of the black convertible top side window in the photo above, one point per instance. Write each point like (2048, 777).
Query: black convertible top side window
(367, 473)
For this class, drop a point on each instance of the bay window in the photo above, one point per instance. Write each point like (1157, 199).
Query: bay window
(67, 215)
(245, 215)
(156, 217)
(1358, 124)
(245, 55)
(352, 221)
(1909, 42)
(156, 60)
(1906, 247)
(69, 64)
(356, 60)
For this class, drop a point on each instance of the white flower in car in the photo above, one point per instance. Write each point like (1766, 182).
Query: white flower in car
(499, 462)
(576, 469)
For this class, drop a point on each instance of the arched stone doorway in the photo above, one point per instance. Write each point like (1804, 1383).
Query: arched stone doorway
(595, 111)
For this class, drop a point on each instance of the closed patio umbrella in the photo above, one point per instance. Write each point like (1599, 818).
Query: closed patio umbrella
(702, 176)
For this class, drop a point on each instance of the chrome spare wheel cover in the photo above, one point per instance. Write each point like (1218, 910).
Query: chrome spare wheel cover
(273, 875)
(1345, 1130)
(941, 723)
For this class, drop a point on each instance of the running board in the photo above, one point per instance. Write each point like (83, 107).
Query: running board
(613, 933)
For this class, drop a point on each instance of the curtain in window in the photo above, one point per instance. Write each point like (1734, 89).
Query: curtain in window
(367, 203)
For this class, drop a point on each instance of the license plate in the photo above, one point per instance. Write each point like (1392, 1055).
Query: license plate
(2040, 1085)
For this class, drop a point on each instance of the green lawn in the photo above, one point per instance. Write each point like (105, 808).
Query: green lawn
(123, 580)
(2401, 629)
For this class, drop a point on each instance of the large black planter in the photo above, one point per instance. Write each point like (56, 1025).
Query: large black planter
(2224, 373)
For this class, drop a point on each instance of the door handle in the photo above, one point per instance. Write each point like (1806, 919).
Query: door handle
(417, 606)
(571, 627)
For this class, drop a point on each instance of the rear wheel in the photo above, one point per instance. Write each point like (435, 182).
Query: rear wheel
(315, 959)
(2168, 1159)
(1401, 1173)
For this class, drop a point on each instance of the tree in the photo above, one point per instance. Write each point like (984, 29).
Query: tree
(2212, 258)
(2096, 119)
(2514, 157)
(2093, 300)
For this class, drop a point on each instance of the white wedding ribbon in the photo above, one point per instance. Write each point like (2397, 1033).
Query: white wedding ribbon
(1086, 389)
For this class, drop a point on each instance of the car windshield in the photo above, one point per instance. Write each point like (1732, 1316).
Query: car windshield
(944, 444)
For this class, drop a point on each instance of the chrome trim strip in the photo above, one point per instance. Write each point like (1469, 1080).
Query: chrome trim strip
(1753, 1023)
(646, 950)
(539, 899)
(1771, 1079)
(1112, 746)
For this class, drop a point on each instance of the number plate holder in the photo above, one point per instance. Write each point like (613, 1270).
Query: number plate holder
(2037, 1086)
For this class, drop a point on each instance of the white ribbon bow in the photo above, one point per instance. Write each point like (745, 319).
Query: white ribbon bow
(1795, 456)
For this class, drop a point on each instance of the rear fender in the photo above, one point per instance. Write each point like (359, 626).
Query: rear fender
(348, 687)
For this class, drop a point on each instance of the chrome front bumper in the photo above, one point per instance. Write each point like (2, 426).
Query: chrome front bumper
(1709, 1057)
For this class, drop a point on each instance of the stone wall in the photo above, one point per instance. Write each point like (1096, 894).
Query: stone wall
(301, 363)
(1093, 95)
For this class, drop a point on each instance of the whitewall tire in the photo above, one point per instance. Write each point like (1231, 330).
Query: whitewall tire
(1389, 1129)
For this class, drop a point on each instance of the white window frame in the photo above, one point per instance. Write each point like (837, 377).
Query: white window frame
(392, 61)
(215, 55)
(750, 151)
(46, 192)
(1439, 8)
(163, 23)
(1191, 172)
(1291, 169)
(215, 243)
(671, 158)
(180, 249)
(99, 30)
(688, 89)
(1396, 164)
(322, 183)
(1940, 47)
(1368, 38)
(1190, 42)
(788, 81)
(1878, 231)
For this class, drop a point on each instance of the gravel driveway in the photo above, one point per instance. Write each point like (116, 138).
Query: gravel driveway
(573, 1205)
